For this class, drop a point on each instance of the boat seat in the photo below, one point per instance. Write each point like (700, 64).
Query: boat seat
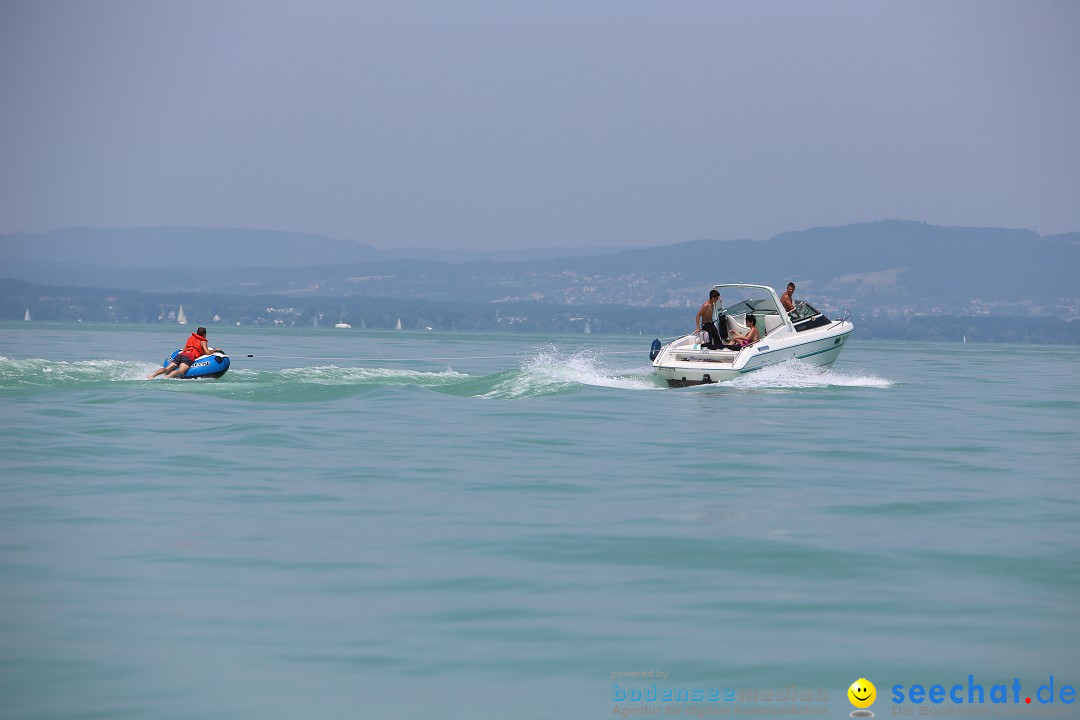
(772, 322)
(737, 324)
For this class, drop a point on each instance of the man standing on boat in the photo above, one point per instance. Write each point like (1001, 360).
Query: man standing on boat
(195, 348)
(786, 300)
(704, 320)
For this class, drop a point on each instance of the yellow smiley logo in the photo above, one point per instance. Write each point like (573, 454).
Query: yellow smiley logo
(862, 693)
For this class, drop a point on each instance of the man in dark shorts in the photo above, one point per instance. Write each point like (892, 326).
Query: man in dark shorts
(705, 322)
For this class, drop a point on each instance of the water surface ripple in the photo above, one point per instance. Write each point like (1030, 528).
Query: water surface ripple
(341, 527)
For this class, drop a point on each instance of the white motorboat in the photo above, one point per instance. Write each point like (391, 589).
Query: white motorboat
(804, 334)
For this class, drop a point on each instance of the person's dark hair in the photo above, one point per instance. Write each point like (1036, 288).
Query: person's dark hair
(714, 293)
(791, 286)
(201, 331)
(751, 320)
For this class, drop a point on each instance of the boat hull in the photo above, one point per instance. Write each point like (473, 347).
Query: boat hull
(213, 365)
(682, 363)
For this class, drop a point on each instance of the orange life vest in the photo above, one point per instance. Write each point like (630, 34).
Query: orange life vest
(194, 347)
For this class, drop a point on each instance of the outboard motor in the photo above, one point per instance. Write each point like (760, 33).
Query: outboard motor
(655, 349)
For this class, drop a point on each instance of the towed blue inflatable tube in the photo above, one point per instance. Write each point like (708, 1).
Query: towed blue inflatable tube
(213, 365)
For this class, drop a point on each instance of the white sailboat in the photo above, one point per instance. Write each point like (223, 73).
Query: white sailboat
(398, 326)
(181, 318)
(341, 324)
(26, 317)
(588, 329)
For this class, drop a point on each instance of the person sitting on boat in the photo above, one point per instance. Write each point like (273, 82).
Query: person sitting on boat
(195, 347)
(704, 320)
(786, 300)
(741, 340)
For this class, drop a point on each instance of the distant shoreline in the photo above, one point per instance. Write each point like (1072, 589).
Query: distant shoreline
(58, 305)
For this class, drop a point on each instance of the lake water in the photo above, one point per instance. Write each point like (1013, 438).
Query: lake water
(357, 524)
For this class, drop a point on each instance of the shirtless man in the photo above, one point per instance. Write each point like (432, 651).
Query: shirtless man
(704, 319)
(750, 336)
(786, 300)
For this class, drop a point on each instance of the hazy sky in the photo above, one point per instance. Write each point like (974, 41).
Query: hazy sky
(499, 123)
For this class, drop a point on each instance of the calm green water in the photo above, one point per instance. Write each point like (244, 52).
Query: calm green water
(423, 525)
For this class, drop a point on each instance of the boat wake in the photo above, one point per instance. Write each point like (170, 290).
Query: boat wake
(332, 375)
(550, 371)
(546, 372)
(35, 371)
(797, 374)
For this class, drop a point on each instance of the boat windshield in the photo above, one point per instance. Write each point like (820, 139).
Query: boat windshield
(802, 311)
(743, 300)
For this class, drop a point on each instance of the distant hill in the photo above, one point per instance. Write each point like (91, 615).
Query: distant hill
(900, 261)
(522, 255)
(192, 247)
(895, 266)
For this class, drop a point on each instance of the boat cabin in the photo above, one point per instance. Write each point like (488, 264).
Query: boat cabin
(739, 301)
